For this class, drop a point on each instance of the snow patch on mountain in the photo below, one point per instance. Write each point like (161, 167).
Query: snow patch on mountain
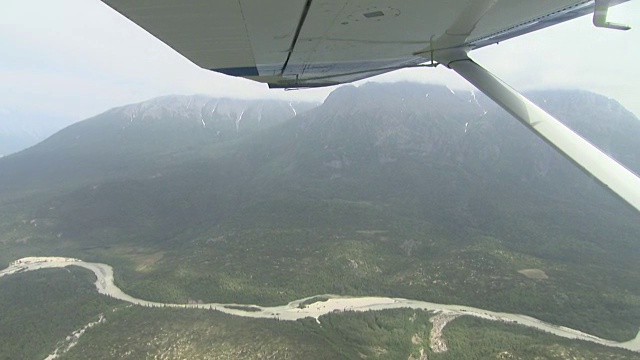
(218, 115)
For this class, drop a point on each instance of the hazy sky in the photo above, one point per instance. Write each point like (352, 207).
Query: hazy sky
(78, 57)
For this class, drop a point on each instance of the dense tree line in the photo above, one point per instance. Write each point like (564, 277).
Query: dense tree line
(39, 309)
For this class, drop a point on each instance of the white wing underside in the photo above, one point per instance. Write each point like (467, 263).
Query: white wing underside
(302, 43)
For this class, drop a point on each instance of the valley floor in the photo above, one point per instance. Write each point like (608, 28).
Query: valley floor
(308, 307)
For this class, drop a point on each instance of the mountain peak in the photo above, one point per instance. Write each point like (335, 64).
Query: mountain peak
(203, 111)
(375, 92)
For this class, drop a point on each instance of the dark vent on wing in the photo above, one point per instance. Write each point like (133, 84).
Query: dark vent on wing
(373, 14)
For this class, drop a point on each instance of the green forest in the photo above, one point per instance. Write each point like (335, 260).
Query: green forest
(50, 304)
(370, 194)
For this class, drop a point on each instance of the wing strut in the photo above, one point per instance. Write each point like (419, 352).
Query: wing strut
(589, 158)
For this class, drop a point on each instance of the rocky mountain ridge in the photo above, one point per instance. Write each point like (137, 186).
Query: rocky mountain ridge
(117, 142)
(402, 190)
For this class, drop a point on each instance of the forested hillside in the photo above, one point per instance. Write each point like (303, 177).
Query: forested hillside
(401, 190)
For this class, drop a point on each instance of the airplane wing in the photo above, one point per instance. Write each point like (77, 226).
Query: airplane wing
(309, 43)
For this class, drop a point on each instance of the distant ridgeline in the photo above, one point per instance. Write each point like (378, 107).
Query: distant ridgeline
(19, 129)
(399, 189)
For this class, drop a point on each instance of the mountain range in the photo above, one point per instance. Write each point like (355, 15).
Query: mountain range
(403, 189)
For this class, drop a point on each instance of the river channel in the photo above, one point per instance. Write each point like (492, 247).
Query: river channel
(294, 311)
